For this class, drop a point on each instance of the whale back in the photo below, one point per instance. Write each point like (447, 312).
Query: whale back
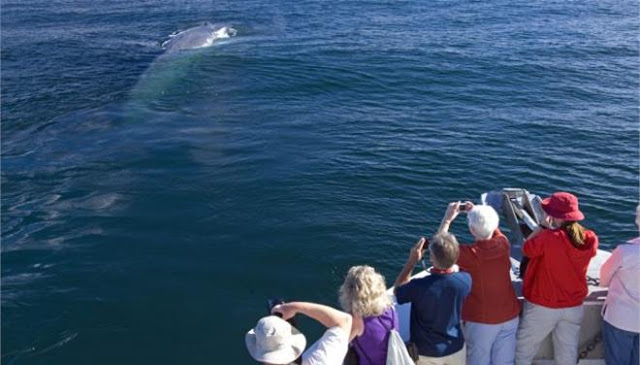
(201, 36)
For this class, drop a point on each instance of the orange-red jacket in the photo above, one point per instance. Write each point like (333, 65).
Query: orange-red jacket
(557, 273)
(492, 299)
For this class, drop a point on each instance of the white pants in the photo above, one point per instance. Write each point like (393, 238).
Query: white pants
(491, 344)
(538, 321)
(457, 358)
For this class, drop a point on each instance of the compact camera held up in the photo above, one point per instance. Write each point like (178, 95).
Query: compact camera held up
(272, 302)
(464, 207)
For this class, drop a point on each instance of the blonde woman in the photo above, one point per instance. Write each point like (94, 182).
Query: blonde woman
(363, 294)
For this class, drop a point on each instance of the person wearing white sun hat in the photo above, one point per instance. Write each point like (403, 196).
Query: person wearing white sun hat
(274, 341)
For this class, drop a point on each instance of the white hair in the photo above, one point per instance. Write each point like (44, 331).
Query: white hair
(483, 221)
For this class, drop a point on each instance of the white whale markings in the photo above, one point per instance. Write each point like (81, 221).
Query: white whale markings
(172, 66)
(201, 36)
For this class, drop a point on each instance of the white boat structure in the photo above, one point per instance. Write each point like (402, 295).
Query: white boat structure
(520, 213)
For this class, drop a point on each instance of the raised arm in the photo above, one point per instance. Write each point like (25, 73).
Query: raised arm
(534, 245)
(453, 209)
(535, 232)
(415, 255)
(329, 317)
(545, 224)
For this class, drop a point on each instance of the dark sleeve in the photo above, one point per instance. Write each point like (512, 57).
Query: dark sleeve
(406, 292)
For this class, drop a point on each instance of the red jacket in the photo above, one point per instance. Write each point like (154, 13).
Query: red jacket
(557, 273)
(492, 299)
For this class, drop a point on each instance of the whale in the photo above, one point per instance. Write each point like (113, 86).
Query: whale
(172, 65)
(200, 36)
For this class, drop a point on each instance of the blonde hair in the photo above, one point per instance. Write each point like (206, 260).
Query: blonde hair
(576, 233)
(363, 292)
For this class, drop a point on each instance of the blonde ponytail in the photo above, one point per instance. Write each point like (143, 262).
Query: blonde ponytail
(576, 233)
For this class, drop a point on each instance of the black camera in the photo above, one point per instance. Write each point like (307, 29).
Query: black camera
(272, 302)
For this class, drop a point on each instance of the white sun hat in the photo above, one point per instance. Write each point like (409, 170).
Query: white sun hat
(275, 341)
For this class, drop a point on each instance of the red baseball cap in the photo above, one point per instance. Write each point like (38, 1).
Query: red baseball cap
(562, 205)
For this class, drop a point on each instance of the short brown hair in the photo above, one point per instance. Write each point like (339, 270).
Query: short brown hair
(445, 250)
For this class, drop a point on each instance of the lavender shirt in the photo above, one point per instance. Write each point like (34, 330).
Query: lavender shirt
(621, 273)
(371, 346)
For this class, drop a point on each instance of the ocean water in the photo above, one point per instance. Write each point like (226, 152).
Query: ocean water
(151, 203)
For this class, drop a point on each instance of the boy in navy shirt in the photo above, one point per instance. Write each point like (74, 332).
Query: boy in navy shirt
(436, 302)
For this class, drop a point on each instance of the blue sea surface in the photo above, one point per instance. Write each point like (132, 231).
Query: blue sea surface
(151, 203)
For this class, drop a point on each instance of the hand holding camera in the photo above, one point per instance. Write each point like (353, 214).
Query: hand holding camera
(417, 251)
(278, 307)
(465, 207)
(456, 208)
(284, 311)
(453, 209)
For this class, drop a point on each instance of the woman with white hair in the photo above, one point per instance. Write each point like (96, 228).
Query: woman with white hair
(621, 311)
(364, 295)
(490, 312)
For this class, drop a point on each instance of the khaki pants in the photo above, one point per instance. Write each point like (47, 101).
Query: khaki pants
(457, 358)
(538, 321)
